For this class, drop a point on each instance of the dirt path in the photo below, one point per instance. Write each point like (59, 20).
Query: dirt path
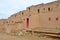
(25, 37)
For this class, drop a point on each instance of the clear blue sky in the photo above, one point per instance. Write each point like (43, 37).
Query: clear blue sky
(9, 7)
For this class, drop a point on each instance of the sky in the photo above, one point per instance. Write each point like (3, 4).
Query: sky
(9, 7)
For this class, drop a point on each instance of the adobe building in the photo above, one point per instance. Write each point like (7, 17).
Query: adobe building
(43, 17)
(3, 25)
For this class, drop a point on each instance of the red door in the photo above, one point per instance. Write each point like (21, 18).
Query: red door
(27, 22)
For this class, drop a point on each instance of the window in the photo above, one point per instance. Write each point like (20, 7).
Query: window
(38, 10)
(29, 9)
(12, 21)
(57, 5)
(22, 13)
(29, 15)
(49, 19)
(49, 9)
(6, 22)
(15, 15)
(44, 9)
(57, 19)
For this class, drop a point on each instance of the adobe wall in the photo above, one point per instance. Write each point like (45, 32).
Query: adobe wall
(46, 15)
(50, 18)
(2, 25)
(42, 15)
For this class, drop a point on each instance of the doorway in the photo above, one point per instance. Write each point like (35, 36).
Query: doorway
(27, 23)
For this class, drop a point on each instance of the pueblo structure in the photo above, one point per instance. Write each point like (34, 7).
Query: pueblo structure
(41, 17)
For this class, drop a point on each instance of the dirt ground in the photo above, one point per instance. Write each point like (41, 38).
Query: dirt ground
(4, 36)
